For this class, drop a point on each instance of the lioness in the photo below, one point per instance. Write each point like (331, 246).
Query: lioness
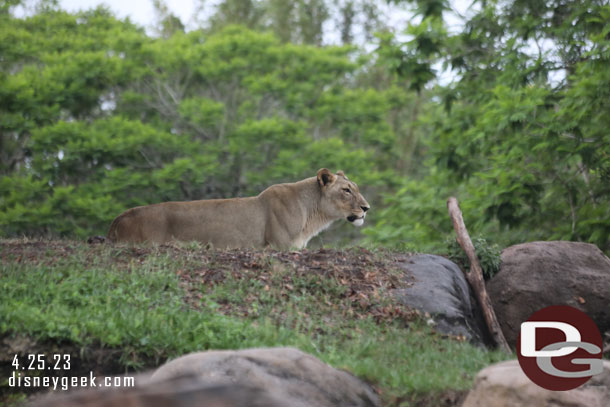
(282, 216)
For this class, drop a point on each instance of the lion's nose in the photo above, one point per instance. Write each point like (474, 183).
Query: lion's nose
(365, 208)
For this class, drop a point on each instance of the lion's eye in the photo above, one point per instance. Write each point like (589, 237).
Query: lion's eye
(347, 190)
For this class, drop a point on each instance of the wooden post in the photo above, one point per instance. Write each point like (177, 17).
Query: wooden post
(475, 275)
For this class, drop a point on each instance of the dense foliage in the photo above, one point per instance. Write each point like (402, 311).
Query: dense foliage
(97, 115)
(520, 136)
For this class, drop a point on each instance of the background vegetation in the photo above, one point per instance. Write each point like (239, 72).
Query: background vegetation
(508, 110)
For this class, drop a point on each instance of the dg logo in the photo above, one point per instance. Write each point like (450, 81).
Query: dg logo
(560, 348)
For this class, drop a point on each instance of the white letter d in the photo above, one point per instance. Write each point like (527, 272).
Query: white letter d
(528, 338)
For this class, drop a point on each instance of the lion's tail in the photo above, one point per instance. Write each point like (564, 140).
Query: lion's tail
(96, 240)
(111, 236)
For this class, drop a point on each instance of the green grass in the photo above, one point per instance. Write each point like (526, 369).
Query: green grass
(139, 309)
(109, 297)
(398, 359)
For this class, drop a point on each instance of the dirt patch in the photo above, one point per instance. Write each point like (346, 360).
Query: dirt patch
(358, 276)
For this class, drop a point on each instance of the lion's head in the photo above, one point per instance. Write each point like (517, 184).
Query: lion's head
(341, 197)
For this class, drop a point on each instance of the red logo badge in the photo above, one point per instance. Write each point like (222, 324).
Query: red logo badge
(560, 348)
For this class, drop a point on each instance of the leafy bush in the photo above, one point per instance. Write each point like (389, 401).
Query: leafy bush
(93, 127)
(489, 256)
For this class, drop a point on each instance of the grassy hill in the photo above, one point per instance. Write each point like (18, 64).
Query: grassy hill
(119, 309)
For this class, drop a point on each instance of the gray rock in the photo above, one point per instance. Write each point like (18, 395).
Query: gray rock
(289, 375)
(179, 391)
(505, 385)
(438, 287)
(539, 274)
(273, 377)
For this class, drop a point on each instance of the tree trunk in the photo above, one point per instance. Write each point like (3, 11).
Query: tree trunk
(475, 275)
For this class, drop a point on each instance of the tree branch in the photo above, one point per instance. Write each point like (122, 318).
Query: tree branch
(475, 275)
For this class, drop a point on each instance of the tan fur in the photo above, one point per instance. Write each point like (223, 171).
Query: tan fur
(282, 216)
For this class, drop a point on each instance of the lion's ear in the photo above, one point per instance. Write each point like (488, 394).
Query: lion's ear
(325, 177)
(341, 173)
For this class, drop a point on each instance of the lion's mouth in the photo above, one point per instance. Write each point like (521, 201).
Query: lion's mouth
(356, 220)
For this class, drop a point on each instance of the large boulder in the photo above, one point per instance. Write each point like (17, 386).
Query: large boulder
(437, 286)
(180, 391)
(539, 274)
(287, 374)
(505, 385)
(272, 377)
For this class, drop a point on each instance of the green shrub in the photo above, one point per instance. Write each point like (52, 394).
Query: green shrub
(488, 254)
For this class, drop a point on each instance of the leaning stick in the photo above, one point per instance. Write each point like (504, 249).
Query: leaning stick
(475, 275)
